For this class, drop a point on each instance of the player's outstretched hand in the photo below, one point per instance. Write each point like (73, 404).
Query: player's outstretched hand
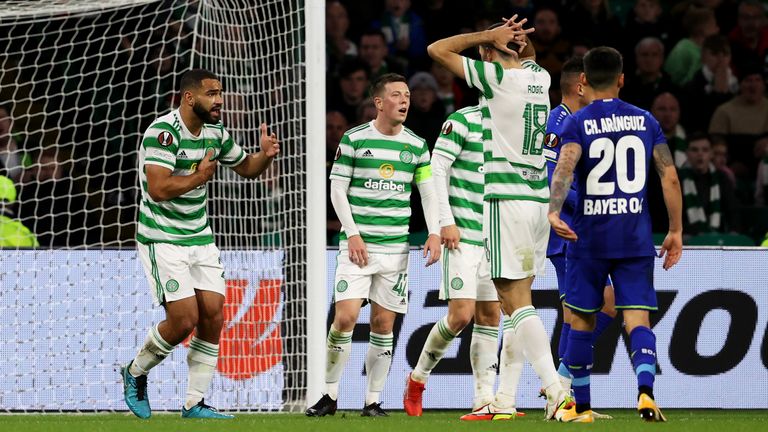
(358, 253)
(672, 248)
(207, 166)
(561, 228)
(450, 236)
(432, 248)
(269, 144)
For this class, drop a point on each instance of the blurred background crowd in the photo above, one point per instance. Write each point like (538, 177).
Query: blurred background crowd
(72, 114)
(699, 66)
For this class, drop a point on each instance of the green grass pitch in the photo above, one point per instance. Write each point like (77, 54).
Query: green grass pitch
(350, 421)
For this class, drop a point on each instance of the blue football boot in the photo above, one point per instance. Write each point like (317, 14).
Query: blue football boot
(135, 392)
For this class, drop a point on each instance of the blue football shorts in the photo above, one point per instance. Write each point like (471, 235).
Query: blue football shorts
(559, 262)
(632, 283)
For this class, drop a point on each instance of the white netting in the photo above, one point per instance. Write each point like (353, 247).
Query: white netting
(80, 81)
(24, 10)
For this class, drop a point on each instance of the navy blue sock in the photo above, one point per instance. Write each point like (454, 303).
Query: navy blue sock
(643, 343)
(601, 323)
(579, 358)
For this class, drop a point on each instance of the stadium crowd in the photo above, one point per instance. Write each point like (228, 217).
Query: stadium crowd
(699, 66)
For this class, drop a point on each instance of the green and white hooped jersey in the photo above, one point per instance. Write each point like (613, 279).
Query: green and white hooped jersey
(515, 107)
(381, 170)
(461, 140)
(168, 143)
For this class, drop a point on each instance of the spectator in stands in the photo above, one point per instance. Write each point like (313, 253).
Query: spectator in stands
(713, 84)
(13, 234)
(593, 21)
(159, 77)
(11, 156)
(761, 185)
(425, 119)
(761, 146)
(442, 18)
(649, 78)
(448, 90)
(579, 48)
(724, 11)
(720, 159)
(427, 113)
(666, 109)
(685, 58)
(523, 8)
(552, 49)
(643, 21)
(52, 205)
(366, 112)
(373, 51)
(747, 113)
(709, 203)
(482, 22)
(335, 126)
(404, 31)
(354, 78)
(749, 39)
(337, 44)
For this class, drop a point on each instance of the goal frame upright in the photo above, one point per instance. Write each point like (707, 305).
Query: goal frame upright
(316, 296)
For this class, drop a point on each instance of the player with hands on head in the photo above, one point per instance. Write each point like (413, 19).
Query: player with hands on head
(375, 166)
(514, 107)
(178, 155)
(611, 232)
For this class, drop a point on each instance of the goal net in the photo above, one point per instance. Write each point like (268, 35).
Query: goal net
(80, 82)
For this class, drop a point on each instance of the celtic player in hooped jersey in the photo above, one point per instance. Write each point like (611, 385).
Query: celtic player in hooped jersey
(457, 166)
(178, 155)
(376, 165)
(612, 225)
(515, 105)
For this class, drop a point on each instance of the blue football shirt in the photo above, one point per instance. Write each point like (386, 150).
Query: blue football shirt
(552, 143)
(611, 216)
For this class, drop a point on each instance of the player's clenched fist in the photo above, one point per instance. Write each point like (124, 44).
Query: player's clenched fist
(269, 144)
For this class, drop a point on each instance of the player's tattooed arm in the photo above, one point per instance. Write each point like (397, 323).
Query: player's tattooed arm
(662, 158)
(562, 178)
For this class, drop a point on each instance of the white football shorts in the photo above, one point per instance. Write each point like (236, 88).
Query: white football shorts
(175, 272)
(384, 280)
(516, 234)
(466, 275)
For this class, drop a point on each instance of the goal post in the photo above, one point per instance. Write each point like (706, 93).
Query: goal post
(80, 82)
(316, 203)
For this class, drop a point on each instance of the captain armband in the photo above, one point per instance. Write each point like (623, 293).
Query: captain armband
(422, 173)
